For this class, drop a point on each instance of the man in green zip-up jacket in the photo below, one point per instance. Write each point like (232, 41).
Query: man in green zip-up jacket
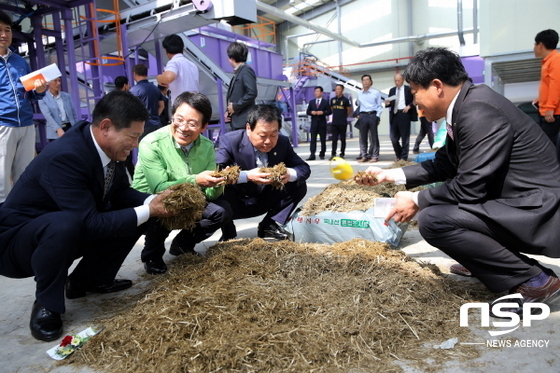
(177, 154)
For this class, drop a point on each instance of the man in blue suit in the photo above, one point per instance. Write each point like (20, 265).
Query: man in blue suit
(74, 200)
(262, 145)
(58, 110)
(319, 109)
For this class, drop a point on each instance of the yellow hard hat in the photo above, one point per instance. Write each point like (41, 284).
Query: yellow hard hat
(340, 169)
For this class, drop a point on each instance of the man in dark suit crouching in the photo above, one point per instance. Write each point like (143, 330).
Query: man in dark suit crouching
(501, 193)
(74, 200)
(262, 145)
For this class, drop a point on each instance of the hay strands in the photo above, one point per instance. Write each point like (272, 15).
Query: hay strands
(276, 173)
(188, 202)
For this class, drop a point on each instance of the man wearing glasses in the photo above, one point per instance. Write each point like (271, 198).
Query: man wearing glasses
(178, 154)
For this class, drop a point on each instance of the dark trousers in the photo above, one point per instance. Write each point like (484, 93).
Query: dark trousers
(321, 130)
(368, 131)
(478, 244)
(278, 205)
(46, 247)
(400, 130)
(338, 131)
(216, 214)
(425, 129)
(552, 130)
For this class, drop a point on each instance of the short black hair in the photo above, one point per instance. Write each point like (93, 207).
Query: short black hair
(340, 85)
(120, 81)
(173, 44)
(549, 38)
(320, 88)
(6, 19)
(367, 76)
(266, 113)
(436, 63)
(122, 108)
(238, 51)
(140, 69)
(197, 101)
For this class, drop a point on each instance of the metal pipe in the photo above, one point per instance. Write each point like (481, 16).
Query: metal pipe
(287, 38)
(475, 21)
(338, 16)
(410, 26)
(460, 22)
(417, 38)
(301, 22)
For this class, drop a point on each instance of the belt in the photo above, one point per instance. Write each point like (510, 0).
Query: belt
(368, 112)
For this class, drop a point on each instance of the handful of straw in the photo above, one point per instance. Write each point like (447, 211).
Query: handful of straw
(188, 202)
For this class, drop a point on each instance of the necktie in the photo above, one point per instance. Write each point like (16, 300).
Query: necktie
(108, 177)
(397, 98)
(262, 159)
(318, 102)
(449, 130)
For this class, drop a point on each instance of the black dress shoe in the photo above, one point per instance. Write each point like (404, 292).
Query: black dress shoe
(44, 324)
(177, 250)
(77, 289)
(548, 294)
(273, 230)
(312, 158)
(155, 267)
(322, 157)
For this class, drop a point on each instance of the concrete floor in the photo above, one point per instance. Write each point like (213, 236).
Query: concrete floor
(21, 353)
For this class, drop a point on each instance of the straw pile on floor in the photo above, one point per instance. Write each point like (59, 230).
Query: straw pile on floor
(188, 202)
(255, 306)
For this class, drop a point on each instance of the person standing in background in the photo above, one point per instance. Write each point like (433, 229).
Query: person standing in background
(401, 112)
(17, 132)
(180, 75)
(548, 101)
(368, 113)
(318, 109)
(165, 117)
(425, 129)
(341, 108)
(58, 110)
(150, 95)
(122, 83)
(242, 91)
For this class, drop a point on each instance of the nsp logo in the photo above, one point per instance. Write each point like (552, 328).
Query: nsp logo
(500, 309)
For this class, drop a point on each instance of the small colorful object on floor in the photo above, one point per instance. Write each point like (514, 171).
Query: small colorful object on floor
(71, 343)
(340, 169)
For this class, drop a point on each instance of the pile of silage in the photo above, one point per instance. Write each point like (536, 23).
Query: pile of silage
(230, 175)
(276, 172)
(255, 306)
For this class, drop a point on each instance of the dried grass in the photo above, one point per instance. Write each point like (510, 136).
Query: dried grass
(276, 174)
(230, 175)
(188, 202)
(254, 306)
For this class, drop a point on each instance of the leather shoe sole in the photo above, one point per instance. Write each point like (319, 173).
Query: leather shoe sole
(273, 231)
(76, 289)
(44, 324)
(155, 267)
(460, 270)
(178, 250)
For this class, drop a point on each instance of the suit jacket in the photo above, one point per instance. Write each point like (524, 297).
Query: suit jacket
(500, 166)
(319, 120)
(242, 92)
(50, 110)
(236, 149)
(408, 99)
(68, 176)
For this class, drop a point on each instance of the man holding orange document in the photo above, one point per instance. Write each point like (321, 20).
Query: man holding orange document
(17, 133)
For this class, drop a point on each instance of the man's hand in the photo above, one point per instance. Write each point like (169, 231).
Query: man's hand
(40, 85)
(404, 209)
(549, 116)
(286, 178)
(59, 132)
(230, 108)
(259, 178)
(406, 109)
(156, 206)
(205, 179)
(374, 176)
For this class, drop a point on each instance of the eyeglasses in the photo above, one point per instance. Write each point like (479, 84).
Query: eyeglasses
(180, 122)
